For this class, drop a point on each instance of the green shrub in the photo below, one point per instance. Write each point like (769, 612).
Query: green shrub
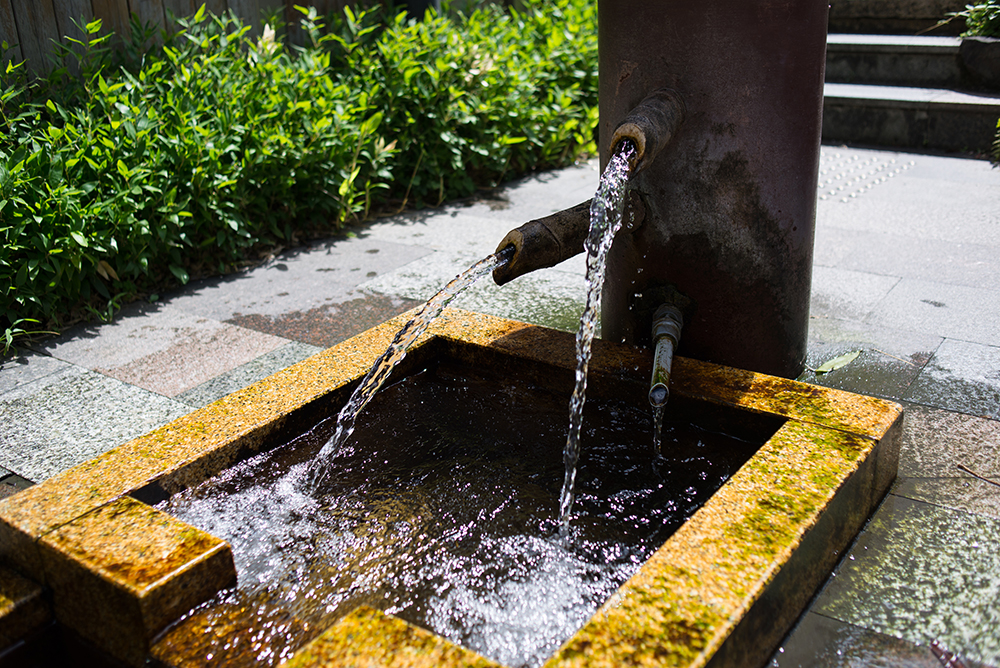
(981, 20)
(150, 165)
(996, 145)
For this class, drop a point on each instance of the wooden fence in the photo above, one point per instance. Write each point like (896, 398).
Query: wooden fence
(31, 26)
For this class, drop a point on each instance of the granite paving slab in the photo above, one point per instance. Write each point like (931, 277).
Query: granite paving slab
(936, 441)
(11, 483)
(27, 368)
(964, 493)
(970, 264)
(821, 642)
(550, 297)
(922, 573)
(539, 194)
(956, 312)
(961, 376)
(298, 280)
(847, 295)
(888, 363)
(75, 416)
(331, 323)
(160, 347)
(478, 224)
(194, 358)
(939, 198)
(452, 229)
(245, 374)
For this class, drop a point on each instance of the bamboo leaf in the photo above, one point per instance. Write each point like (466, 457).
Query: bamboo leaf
(837, 362)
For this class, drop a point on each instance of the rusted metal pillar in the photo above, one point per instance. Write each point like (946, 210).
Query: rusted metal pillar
(730, 203)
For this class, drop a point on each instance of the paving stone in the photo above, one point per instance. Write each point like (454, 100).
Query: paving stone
(246, 374)
(539, 194)
(299, 280)
(27, 368)
(196, 356)
(935, 441)
(479, 224)
(889, 362)
(942, 198)
(921, 573)
(50, 428)
(968, 264)
(331, 323)
(821, 642)
(453, 229)
(966, 494)
(11, 483)
(847, 295)
(961, 376)
(957, 312)
(549, 297)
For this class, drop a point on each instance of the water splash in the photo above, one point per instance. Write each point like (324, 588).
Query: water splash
(605, 221)
(395, 354)
(443, 513)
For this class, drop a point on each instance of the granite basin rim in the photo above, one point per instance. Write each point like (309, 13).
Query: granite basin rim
(696, 601)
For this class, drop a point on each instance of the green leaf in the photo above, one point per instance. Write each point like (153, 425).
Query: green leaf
(79, 238)
(837, 362)
(180, 273)
(345, 186)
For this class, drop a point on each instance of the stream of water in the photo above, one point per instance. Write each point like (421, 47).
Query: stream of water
(395, 353)
(605, 220)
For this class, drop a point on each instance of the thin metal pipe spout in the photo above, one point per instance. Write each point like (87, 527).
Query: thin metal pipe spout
(667, 324)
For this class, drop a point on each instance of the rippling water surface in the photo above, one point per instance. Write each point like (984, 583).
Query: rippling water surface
(442, 509)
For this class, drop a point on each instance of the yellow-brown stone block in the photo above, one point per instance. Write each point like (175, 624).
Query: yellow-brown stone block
(23, 608)
(722, 590)
(122, 572)
(372, 639)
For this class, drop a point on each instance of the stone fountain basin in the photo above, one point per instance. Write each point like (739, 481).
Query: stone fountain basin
(723, 590)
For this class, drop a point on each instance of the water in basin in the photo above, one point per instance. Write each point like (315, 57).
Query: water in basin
(442, 509)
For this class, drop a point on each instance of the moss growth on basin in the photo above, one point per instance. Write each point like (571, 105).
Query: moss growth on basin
(723, 588)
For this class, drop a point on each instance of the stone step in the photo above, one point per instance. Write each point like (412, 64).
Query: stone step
(908, 117)
(895, 60)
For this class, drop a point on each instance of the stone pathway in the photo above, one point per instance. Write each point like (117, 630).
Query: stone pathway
(907, 270)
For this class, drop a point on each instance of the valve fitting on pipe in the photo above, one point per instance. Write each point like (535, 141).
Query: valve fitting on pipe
(667, 324)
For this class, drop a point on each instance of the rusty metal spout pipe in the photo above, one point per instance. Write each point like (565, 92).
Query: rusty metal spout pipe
(650, 126)
(546, 242)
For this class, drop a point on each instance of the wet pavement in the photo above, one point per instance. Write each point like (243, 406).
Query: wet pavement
(907, 270)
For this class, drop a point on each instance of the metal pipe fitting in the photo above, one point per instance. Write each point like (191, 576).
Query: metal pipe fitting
(667, 324)
(650, 125)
